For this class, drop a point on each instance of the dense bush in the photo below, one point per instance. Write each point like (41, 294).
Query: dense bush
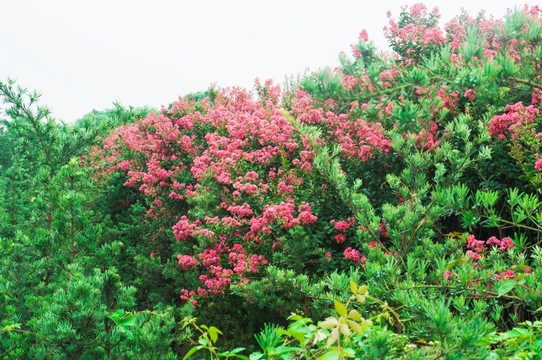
(414, 177)
(61, 296)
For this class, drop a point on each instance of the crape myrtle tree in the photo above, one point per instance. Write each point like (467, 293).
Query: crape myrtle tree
(418, 169)
(62, 298)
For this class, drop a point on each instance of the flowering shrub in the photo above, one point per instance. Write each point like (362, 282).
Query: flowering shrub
(416, 33)
(231, 180)
(392, 164)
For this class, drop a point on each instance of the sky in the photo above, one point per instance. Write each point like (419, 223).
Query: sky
(86, 55)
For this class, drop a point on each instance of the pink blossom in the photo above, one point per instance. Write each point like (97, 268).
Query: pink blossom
(187, 261)
(475, 245)
(506, 243)
(470, 94)
(508, 274)
(340, 238)
(351, 254)
(363, 35)
(514, 116)
(342, 225)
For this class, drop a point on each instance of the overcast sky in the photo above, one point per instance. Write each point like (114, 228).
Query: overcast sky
(85, 55)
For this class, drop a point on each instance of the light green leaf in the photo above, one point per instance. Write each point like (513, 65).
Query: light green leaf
(345, 330)
(355, 326)
(234, 353)
(10, 327)
(213, 332)
(329, 322)
(353, 286)
(332, 339)
(256, 356)
(354, 315)
(330, 355)
(340, 308)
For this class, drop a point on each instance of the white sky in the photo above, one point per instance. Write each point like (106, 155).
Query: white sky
(85, 55)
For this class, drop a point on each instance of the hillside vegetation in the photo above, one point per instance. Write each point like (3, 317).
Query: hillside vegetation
(387, 208)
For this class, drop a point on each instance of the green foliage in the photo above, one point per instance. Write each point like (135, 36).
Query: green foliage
(106, 120)
(348, 334)
(416, 174)
(61, 295)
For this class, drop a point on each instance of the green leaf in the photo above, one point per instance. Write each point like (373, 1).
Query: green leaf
(281, 331)
(330, 355)
(213, 332)
(283, 350)
(234, 353)
(256, 356)
(192, 351)
(365, 324)
(354, 315)
(10, 327)
(332, 339)
(506, 287)
(361, 298)
(349, 352)
(353, 286)
(117, 315)
(355, 326)
(298, 335)
(329, 322)
(450, 264)
(362, 290)
(345, 330)
(127, 321)
(340, 308)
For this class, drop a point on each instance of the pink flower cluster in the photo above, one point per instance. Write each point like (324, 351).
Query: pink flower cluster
(187, 261)
(507, 275)
(449, 98)
(477, 247)
(410, 38)
(514, 117)
(353, 255)
(359, 138)
(504, 244)
(421, 28)
(342, 226)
